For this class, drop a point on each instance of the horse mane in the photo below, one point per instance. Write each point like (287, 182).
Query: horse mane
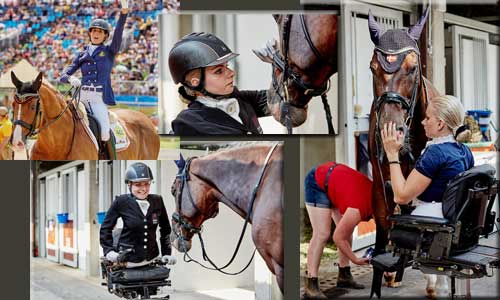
(51, 88)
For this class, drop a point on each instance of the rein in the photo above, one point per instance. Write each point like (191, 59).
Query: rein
(282, 63)
(185, 224)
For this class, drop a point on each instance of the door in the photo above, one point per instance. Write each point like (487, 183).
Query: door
(51, 210)
(470, 72)
(68, 231)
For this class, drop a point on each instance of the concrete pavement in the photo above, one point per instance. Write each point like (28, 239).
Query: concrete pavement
(52, 281)
(413, 284)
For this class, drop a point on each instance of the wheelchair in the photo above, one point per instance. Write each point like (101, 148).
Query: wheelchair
(135, 283)
(450, 245)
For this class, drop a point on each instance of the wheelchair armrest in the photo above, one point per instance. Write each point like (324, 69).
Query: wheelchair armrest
(417, 220)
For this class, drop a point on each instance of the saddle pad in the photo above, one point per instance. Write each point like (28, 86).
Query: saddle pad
(121, 139)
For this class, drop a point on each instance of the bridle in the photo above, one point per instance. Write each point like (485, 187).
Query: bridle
(184, 177)
(34, 127)
(281, 62)
(408, 105)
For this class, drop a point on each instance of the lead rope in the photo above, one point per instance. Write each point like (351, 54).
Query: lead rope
(247, 220)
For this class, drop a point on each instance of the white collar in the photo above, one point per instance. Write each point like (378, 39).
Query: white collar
(230, 106)
(440, 140)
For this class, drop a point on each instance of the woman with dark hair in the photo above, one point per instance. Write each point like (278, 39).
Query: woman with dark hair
(96, 62)
(199, 62)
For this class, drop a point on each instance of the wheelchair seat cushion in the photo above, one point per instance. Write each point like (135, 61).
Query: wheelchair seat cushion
(141, 274)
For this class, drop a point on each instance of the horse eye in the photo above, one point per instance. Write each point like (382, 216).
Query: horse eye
(412, 70)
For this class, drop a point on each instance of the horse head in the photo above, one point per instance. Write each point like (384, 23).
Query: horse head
(397, 77)
(26, 107)
(195, 201)
(308, 51)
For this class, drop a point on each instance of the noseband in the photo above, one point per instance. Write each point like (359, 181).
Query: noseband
(281, 62)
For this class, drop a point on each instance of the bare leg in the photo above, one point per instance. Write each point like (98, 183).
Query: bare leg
(321, 223)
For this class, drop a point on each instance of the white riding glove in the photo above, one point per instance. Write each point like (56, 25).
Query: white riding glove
(169, 260)
(112, 256)
(75, 82)
(124, 3)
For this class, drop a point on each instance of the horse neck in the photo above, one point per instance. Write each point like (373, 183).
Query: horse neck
(59, 132)
(234, 175)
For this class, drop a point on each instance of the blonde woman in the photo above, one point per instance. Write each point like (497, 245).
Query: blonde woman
(442, 159)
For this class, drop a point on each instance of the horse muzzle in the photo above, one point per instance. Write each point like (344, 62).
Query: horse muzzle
(180, 244)
(298, 115)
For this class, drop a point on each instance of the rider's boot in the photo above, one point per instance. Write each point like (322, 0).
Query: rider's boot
(311, 288)
(345, 279)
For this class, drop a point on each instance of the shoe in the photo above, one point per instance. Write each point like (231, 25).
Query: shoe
(311, 289)
(345, 279)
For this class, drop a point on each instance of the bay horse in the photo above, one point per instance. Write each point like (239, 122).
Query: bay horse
(303, 63)
(401, 95)
(249, 180)
(40, 108)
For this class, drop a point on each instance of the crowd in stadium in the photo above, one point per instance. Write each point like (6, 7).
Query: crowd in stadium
(51, 36)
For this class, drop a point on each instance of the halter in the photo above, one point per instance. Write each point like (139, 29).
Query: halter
(281, 62)
(186, 225)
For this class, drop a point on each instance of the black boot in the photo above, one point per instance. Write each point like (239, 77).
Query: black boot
(345, 279)
(311, 288)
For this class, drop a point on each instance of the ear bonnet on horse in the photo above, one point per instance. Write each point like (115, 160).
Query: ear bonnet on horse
(397, 42)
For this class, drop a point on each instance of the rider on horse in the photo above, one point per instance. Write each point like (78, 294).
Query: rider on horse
(96, 61)
(199, 61)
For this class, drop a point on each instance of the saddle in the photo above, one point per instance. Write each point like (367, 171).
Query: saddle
(118, 137)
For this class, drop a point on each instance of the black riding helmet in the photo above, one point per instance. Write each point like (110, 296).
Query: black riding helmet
(101, 24)
(197, 50)
(137, 172)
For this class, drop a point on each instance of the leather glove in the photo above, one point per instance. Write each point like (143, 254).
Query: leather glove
(112, 256)
(124, 3)
(75, 82)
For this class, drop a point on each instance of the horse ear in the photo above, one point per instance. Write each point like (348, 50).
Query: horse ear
(38, 81)
(415, 30)
(375, 30)
(180, 163)
(278, 18)
(17, 83)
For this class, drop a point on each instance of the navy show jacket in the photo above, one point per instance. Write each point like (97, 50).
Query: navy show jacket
(96, 68)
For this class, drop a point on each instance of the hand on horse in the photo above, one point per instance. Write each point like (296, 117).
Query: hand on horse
(392, 140)
(124, 4)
